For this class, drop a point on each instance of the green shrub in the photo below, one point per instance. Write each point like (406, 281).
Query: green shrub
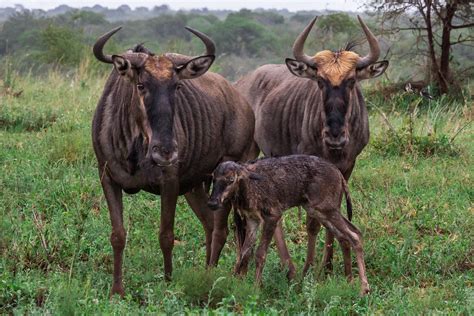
(63, 45)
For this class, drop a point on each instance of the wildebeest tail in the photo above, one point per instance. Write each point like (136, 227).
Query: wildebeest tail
(348, 198)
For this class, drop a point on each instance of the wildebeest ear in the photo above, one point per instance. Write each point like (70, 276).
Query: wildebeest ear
(372, 71)
(195, 67)
(122, 64)
(255, 176)
(300, 69)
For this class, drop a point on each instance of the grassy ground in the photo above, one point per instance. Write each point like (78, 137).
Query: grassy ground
(413, 199)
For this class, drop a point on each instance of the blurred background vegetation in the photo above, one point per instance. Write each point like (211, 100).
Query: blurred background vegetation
(33, 41)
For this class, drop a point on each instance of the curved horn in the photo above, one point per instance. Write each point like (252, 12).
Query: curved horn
(374, 53)
(210, 46)
(99, 46)
(180, 59)
(299, 45)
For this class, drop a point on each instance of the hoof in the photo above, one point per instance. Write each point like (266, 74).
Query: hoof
(327, 268)
(364, 290)
(291, 274)
(306, 269)
(117, 289)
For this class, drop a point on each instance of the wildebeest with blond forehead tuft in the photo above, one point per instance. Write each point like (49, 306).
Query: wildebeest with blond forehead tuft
(315, 108)
(162, 125)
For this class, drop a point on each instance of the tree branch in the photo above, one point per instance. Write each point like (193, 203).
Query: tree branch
(462, 26)
(467, 39)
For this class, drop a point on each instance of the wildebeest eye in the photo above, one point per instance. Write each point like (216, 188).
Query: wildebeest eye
(350, 83)
(231, 179)
(140, 87)
(320, 82)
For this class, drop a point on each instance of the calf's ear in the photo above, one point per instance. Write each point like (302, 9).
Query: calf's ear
(255, 176)
(195, 67)
(300, 69)
(372, 71)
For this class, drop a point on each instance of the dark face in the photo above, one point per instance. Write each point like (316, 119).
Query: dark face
(225, 184)
(336, 75)
(156, 85)
(337, 107)
(156, 80)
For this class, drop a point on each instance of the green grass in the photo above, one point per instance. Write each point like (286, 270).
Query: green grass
(414, 209)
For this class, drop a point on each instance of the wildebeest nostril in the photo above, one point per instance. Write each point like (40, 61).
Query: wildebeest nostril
(155, 149)
(213, 205)
(165, 151)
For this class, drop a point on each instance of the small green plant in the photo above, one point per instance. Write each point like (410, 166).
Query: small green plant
(419, 133)
(210, 287)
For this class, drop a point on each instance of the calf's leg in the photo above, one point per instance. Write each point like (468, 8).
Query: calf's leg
(219, 234)
(269, 224)
(346, 232)
(197, 199)
(113, 196)
(283, 250)
(247, 249)
(346, 252)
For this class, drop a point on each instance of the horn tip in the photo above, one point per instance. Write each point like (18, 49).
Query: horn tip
(190, 29)
(115, 30)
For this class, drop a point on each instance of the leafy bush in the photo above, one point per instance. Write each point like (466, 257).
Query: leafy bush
(63, 45)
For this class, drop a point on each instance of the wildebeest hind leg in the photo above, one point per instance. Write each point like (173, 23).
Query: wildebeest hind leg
(197, 200)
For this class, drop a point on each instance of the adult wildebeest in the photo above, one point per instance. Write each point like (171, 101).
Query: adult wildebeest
(155, 131)
(262, 190)
(315, 108)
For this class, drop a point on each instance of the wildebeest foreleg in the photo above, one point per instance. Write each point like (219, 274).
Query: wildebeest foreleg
(197, 200)
(113, 196)
(169, 196)
(269, 224)
(312, 228)
(283, 250)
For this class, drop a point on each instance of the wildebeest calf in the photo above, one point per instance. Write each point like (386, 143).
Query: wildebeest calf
(262, 190)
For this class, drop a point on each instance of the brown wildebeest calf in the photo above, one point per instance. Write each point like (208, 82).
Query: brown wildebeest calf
(262, 190)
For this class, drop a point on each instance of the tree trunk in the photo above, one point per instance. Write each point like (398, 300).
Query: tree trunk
(431, 47)
(446, 46)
